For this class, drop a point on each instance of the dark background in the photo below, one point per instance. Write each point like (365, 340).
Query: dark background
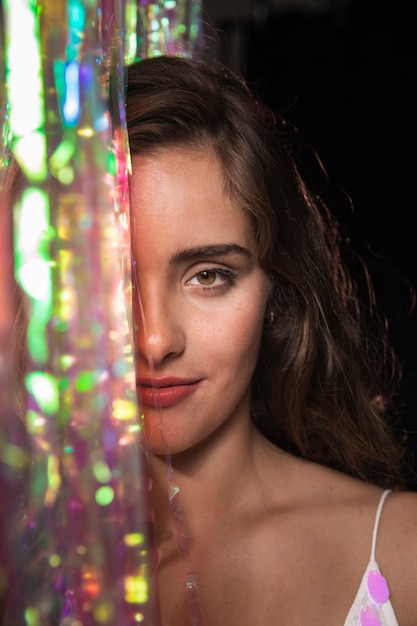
(344, 73)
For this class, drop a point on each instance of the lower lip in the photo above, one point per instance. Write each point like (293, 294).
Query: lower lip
(160, 397)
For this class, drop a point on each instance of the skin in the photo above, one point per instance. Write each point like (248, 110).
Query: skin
(273, 539)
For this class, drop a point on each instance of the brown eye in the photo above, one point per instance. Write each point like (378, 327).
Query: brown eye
(206, 277)
(213, 280)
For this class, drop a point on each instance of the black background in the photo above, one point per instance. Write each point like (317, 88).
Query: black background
(345, 76)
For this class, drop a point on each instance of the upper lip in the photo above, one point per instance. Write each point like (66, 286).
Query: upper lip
(168, 381)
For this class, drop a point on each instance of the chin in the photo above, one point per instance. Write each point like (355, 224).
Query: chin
(175, 444)
(160, 444)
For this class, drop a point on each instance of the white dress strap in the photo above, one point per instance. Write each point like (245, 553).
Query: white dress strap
(372, 605)
(376, 524)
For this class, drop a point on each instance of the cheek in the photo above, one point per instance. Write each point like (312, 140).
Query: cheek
(248, 330)
(234, 335)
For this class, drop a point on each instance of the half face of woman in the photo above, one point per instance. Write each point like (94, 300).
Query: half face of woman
(201, 298)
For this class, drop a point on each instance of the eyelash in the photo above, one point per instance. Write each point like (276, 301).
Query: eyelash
(228, 279)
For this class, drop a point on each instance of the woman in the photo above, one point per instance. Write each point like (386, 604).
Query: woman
(277, 474)
(268, 401)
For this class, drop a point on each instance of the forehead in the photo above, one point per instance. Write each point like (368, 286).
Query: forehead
(181, 192)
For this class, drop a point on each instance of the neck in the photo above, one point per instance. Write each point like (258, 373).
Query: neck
(214, 478)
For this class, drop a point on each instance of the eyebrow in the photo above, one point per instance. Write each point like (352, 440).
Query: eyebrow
(224, 249)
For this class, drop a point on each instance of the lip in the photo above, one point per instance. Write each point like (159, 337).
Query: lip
(165, 392)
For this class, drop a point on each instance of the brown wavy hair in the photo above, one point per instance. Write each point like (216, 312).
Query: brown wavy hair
(326, 384)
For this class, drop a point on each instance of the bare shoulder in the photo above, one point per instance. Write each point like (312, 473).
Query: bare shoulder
(353, 505)
(399, 524)
(396, 553)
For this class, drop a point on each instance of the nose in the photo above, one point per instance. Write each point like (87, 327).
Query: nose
(160, 331)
